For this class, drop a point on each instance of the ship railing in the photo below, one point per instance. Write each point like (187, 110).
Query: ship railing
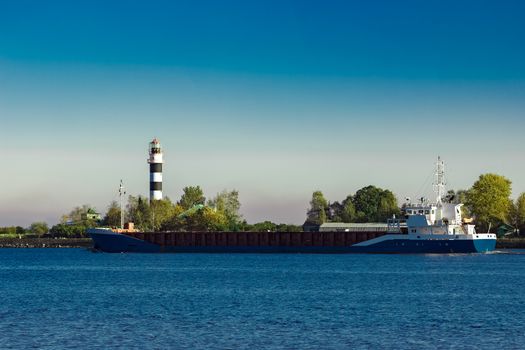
(393, 225)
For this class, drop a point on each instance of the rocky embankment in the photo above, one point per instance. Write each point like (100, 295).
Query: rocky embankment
(45, 242)
(510, 243)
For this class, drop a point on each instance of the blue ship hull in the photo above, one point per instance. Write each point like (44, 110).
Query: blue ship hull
(111, 242)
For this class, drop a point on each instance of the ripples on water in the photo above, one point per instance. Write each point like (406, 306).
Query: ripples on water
(71, 298)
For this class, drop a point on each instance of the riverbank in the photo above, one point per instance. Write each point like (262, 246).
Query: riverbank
(46, 242)
(510, 243)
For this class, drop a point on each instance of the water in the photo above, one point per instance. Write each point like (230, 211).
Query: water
(71, 298)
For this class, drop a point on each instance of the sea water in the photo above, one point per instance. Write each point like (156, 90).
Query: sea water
(73, 298)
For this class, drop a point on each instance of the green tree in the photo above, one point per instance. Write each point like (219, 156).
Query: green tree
(227, 203)
(318, 207)
(192, 195)
(373, 204)
(265, 226)
(139, 212)
(335, 212)
(348, 213)
(161, 212)
(288, 228)
(205, 219)
(69, 231)
(517, 213)
(9, 230)
(79, 216)
(40, 228)
(214, 220)
(489, 200)
(175, 222)
(112, 217)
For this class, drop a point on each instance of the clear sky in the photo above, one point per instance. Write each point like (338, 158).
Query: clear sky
(273, 98)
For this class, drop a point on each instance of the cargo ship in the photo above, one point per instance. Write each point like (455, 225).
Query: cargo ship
(425, 228)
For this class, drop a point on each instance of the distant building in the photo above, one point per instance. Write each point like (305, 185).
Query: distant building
(353, 227)
(91, 215)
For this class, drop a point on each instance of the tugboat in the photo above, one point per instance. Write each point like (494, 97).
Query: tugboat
(427, 228)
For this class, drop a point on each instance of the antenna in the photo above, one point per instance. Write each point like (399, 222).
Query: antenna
(121, 193)
(439, 186)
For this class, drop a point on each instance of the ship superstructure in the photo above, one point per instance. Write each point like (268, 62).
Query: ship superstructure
(434, 227)
(438, 218)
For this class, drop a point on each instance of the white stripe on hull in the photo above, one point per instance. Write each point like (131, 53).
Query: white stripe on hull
(424, 238)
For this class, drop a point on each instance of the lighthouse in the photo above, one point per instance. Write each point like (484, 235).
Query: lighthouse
(155, 170)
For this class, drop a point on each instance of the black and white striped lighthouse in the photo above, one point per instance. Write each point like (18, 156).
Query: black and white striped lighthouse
(155, 170)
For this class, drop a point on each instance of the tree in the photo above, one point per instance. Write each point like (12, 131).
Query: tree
(176, 222)
(318, 207)
(70, 231)
(489, 200)
(348, 213)
(266, 226)
(373, 204)
(192, 195)
(213, 220)
(39, 228)
(84, 215)
(138, 212)
(335, 212)
(112, 217)
(517, 213)
(227, 202)
(288, 228)
(205, 219)
(161, 212)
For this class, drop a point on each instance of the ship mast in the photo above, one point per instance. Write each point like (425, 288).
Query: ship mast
(439, 188)
(121, 193)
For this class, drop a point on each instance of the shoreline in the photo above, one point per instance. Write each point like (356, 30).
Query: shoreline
(46, 243)
(502, 243)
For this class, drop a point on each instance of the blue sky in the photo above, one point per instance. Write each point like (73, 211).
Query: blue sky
(273, 98)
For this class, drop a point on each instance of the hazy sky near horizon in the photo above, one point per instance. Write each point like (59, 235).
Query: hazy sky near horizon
(273, 98)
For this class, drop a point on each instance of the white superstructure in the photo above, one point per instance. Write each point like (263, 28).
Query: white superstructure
(440, 217)
(440, 222)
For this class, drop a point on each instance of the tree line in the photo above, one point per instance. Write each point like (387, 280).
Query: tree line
(369, 204)
(488, 202)
(192, 212)
(36, 228)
